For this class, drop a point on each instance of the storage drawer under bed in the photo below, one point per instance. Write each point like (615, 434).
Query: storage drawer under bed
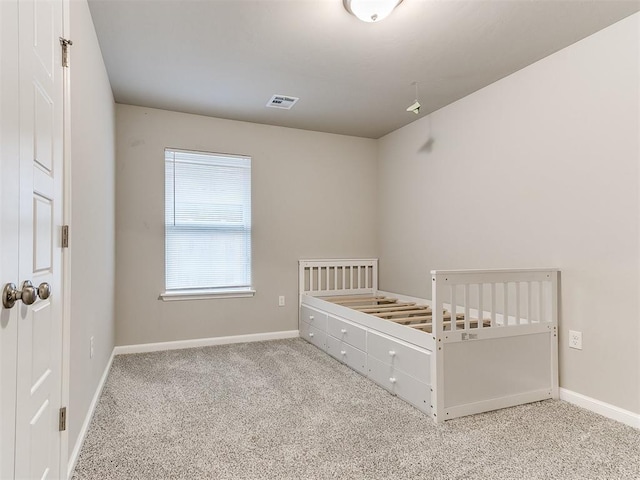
(347, 332)
(399, 383)
(351, 356)
(313, 317)
(313, 335)
(413, 361)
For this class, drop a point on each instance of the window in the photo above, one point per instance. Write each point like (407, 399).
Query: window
(207, 225)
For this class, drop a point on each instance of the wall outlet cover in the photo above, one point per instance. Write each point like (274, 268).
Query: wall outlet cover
(575, 339)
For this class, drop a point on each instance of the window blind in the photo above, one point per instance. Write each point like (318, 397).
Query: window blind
(207, 221)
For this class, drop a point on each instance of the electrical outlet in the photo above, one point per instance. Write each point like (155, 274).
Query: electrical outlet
(575, 339)
(91, 347)
(281, 301)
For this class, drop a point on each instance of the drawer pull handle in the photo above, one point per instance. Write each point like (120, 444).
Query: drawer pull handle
(392, 380)
(311, 334)
(310, 317)
(392, 353)
(344, 330)
(343, 352)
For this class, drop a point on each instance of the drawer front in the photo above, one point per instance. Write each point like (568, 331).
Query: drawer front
(347, 332)
(354, 358)
(314, 318)
(313, 335)
(399, 383)
(411, 360)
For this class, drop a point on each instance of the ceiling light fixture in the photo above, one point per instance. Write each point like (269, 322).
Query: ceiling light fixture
(371, 10)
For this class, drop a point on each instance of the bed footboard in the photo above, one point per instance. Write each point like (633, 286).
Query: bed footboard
(509, 356)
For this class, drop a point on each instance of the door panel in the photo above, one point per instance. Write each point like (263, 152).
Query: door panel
(43, 234)
(39, 357)
(40, 335)
(44, 118)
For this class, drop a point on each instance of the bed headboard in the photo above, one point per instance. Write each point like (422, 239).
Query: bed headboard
(338, 277)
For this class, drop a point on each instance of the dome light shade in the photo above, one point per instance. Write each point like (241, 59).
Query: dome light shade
(371, 10)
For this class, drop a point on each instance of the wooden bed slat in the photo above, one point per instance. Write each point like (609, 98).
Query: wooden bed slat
(401, 312)
(357, 300)
(352, 297)
(391, 308)
(446, 316)
(364, 301)
(473, 321)
(410, 319)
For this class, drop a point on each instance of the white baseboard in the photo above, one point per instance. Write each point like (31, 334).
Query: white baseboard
(87, 419)
(204, 342)
(605, 409)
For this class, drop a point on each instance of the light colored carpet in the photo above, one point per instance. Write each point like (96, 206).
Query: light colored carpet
(285, 410)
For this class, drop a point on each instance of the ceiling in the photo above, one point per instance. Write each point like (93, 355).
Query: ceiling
(227, 58)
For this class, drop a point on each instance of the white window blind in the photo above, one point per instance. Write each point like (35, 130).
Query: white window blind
(207, 221)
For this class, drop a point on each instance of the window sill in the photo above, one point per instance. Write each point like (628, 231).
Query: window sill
(206, 295)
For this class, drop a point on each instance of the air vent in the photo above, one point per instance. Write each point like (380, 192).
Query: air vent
(282, 101)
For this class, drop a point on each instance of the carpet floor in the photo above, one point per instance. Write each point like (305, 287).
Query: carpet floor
(285, 410)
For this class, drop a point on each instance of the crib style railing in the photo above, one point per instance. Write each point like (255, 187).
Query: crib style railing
(486, 302)
(338, 277)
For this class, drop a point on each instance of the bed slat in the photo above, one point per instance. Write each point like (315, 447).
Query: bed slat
(363, 301)
(403, 312)
(393, 307)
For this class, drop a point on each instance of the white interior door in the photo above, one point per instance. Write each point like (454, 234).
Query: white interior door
(9, 221)
(37, 328)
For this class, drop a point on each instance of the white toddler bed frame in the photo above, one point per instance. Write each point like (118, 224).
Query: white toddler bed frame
(500, 351)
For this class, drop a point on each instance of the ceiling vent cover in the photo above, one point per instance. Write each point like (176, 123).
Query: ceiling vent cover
(282, 101)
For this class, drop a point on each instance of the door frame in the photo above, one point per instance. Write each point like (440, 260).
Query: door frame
(65, 294)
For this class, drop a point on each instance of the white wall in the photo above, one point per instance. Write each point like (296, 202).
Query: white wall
(313, 195)
(92, 215)
(538, 169)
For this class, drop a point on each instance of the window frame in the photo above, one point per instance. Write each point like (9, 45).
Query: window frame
(206, 293)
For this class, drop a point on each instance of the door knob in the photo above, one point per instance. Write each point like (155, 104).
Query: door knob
(10, 294)
(44, 290)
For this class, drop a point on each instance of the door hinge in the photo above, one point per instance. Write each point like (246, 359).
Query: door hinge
(65, 236)
(65, 51)
(62, 422)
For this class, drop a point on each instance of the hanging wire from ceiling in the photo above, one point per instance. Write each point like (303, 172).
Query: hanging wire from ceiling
(415, 107)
